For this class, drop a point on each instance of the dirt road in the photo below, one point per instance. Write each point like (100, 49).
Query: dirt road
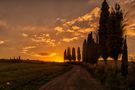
(76, 79)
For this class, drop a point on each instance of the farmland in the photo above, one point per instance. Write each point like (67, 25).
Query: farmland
(28, 75)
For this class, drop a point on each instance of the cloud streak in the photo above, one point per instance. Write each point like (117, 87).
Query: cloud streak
(70, 39)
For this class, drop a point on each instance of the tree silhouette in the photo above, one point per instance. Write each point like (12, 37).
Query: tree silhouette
(92, 49)
(84, 51)
(89, 47)
(73, 54)
(124, 65)
(19, 57)
(103, 28)
(65, 55)
(69, 57)
(78, 54)
(115, 34)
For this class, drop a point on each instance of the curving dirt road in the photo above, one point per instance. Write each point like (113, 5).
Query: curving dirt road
(76, 79)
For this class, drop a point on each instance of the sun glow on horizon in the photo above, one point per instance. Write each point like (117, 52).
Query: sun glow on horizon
(58, 59)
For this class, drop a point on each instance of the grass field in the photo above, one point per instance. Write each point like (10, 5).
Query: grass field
(111, 79)
(28, 75)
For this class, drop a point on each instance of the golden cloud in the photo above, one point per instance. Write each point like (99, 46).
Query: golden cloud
(75, 27)
(70, 39)
(94, 14)
(43, 38)
(80, 26)
(26, 49)
(59, 29)
(131, 30)
(2, 42)
(24, 35)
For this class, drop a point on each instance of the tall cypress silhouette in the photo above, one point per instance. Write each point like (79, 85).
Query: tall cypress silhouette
(89, 48)
(73, 54)
(124, 65)
(84, 51)
(92, 49)
(103, 28)
(78, 54)
(115, 34)
(65, 55)
(69, 54)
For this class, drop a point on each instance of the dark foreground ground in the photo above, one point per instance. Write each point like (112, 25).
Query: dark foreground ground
(35, 75)
(28, 75)
(76, 79)
(99, 77)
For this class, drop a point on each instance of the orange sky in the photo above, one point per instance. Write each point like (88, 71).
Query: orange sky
(42, 29)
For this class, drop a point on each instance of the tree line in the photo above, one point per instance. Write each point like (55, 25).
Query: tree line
(109, 40)
(72, 55)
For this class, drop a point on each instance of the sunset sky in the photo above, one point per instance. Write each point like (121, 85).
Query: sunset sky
(42, 29)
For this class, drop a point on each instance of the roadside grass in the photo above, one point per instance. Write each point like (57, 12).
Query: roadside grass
(29, 75)
(111, 79)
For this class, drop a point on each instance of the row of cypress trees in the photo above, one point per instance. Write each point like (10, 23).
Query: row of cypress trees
(110, 39)
(72, 55)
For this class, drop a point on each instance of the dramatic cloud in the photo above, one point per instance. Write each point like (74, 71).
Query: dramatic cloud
(70, 39)
(79, 27)
(43, 38)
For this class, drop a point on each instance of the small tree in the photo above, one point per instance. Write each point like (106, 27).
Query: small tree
(124, 65)
(73, 54)
(65, 55)
(19, 58)
(78, 54)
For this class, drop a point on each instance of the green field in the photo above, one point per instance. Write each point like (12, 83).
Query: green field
(28, 75)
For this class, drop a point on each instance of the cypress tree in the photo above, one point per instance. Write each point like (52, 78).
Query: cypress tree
(78, 54)
(84, 51)
(89, 48)
(73, 54)
(92, 50)
(103, 28)
(115, 34)
(65, 55)
(69, 57)
(124, 65)
(95, 53)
